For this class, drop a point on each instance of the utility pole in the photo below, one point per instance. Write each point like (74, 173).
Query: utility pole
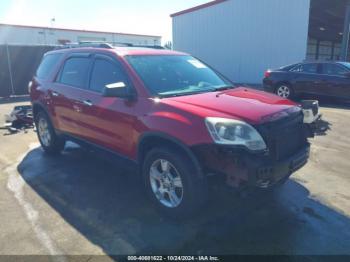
(10, 68)
(52, 23)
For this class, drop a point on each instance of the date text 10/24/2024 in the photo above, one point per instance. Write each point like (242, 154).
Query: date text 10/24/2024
(173, 258)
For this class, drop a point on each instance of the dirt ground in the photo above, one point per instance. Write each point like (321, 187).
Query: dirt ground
(78, 203)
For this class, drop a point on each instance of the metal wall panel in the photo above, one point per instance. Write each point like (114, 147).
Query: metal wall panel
(24, 61)
(243, 38)
(5, 80)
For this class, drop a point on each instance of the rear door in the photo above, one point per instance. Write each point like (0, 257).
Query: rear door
(70, 85)
(107, 121)
(336, 81)
(307, 78)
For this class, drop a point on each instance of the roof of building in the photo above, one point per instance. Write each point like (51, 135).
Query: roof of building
(74, 30)
(199, 7)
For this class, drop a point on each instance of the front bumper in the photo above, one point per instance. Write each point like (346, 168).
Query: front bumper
(264, 173)
(241, 168)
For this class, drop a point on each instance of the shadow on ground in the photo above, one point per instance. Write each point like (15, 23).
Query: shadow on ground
(322, 127)
(105, 202)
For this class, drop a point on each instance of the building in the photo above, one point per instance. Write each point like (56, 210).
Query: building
(243, 38)
(33, 35)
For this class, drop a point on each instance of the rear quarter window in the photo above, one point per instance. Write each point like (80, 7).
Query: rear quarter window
(47, 65)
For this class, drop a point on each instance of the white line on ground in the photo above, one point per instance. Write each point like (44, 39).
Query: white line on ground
(16, 184)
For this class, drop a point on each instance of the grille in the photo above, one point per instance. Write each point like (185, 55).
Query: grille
(284, 137)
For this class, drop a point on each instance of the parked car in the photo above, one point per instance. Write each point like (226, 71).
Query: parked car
(170, 114)
(321, 78)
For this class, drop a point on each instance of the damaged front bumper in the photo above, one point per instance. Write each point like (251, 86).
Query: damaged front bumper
(242, 168)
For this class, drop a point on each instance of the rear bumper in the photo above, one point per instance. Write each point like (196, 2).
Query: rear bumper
(268, 85)
(242, 168)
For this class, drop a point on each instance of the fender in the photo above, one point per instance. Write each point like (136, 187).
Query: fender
(177, 142)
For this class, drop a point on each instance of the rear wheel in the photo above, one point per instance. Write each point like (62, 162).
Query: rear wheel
(50, 142)
(172, 183)
(285, 91)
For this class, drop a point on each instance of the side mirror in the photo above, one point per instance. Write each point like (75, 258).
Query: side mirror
(118, 89)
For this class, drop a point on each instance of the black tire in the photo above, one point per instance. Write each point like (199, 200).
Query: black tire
(194, 187)
(285, 86)
(55, 144)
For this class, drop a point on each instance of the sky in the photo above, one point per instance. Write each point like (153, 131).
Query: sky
(125, 16)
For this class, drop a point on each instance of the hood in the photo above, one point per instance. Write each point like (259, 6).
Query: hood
(240, 103)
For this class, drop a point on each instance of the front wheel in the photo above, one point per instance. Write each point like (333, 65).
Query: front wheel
(50, 142)
(172, 183)
(285, 91)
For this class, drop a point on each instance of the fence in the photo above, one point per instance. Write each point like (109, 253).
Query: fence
(17, 67)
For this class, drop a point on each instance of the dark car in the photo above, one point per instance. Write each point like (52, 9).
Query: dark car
(312, 78)
(171, 115)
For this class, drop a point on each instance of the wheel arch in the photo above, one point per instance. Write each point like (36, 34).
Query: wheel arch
(151, 140)
(38, 107)
(282, 82)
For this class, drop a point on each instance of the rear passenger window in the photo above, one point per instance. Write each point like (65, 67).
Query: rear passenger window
(306, 68)
(75, 72)
(47, 65)
(309, 68)
(105, 73)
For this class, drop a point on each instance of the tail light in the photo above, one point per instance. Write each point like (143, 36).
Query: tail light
(267, 74)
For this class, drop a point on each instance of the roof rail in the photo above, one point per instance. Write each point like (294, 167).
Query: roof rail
(103, 45)
(85, 44)
(150, 46)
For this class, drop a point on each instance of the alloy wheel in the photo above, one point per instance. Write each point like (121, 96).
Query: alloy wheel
(166, 183)
(44, 132)
(283, 91)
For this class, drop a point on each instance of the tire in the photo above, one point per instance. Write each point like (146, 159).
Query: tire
(167, 172)
(49, 140)
(285, 91)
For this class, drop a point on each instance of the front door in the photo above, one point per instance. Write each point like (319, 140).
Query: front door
(307, 78)
(108, 121)
(336, 80)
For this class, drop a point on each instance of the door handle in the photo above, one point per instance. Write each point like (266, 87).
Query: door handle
(87, 103)
(55, 93)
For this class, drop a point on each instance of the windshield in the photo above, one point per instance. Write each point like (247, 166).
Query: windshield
(346, 64)
(172, 75)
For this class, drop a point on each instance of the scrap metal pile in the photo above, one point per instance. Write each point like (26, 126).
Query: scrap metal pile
(20, 119)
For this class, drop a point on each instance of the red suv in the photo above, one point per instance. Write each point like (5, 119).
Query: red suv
(172, 115)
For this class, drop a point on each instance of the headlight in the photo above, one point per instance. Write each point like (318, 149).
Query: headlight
(234, 132)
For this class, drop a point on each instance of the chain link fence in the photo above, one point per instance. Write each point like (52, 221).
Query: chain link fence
(17, 67)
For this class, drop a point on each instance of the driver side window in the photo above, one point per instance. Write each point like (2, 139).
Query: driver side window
(334, 70)
(104, 73)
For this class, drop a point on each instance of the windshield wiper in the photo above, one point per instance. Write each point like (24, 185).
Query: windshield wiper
(222, 88)
(181, 94)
